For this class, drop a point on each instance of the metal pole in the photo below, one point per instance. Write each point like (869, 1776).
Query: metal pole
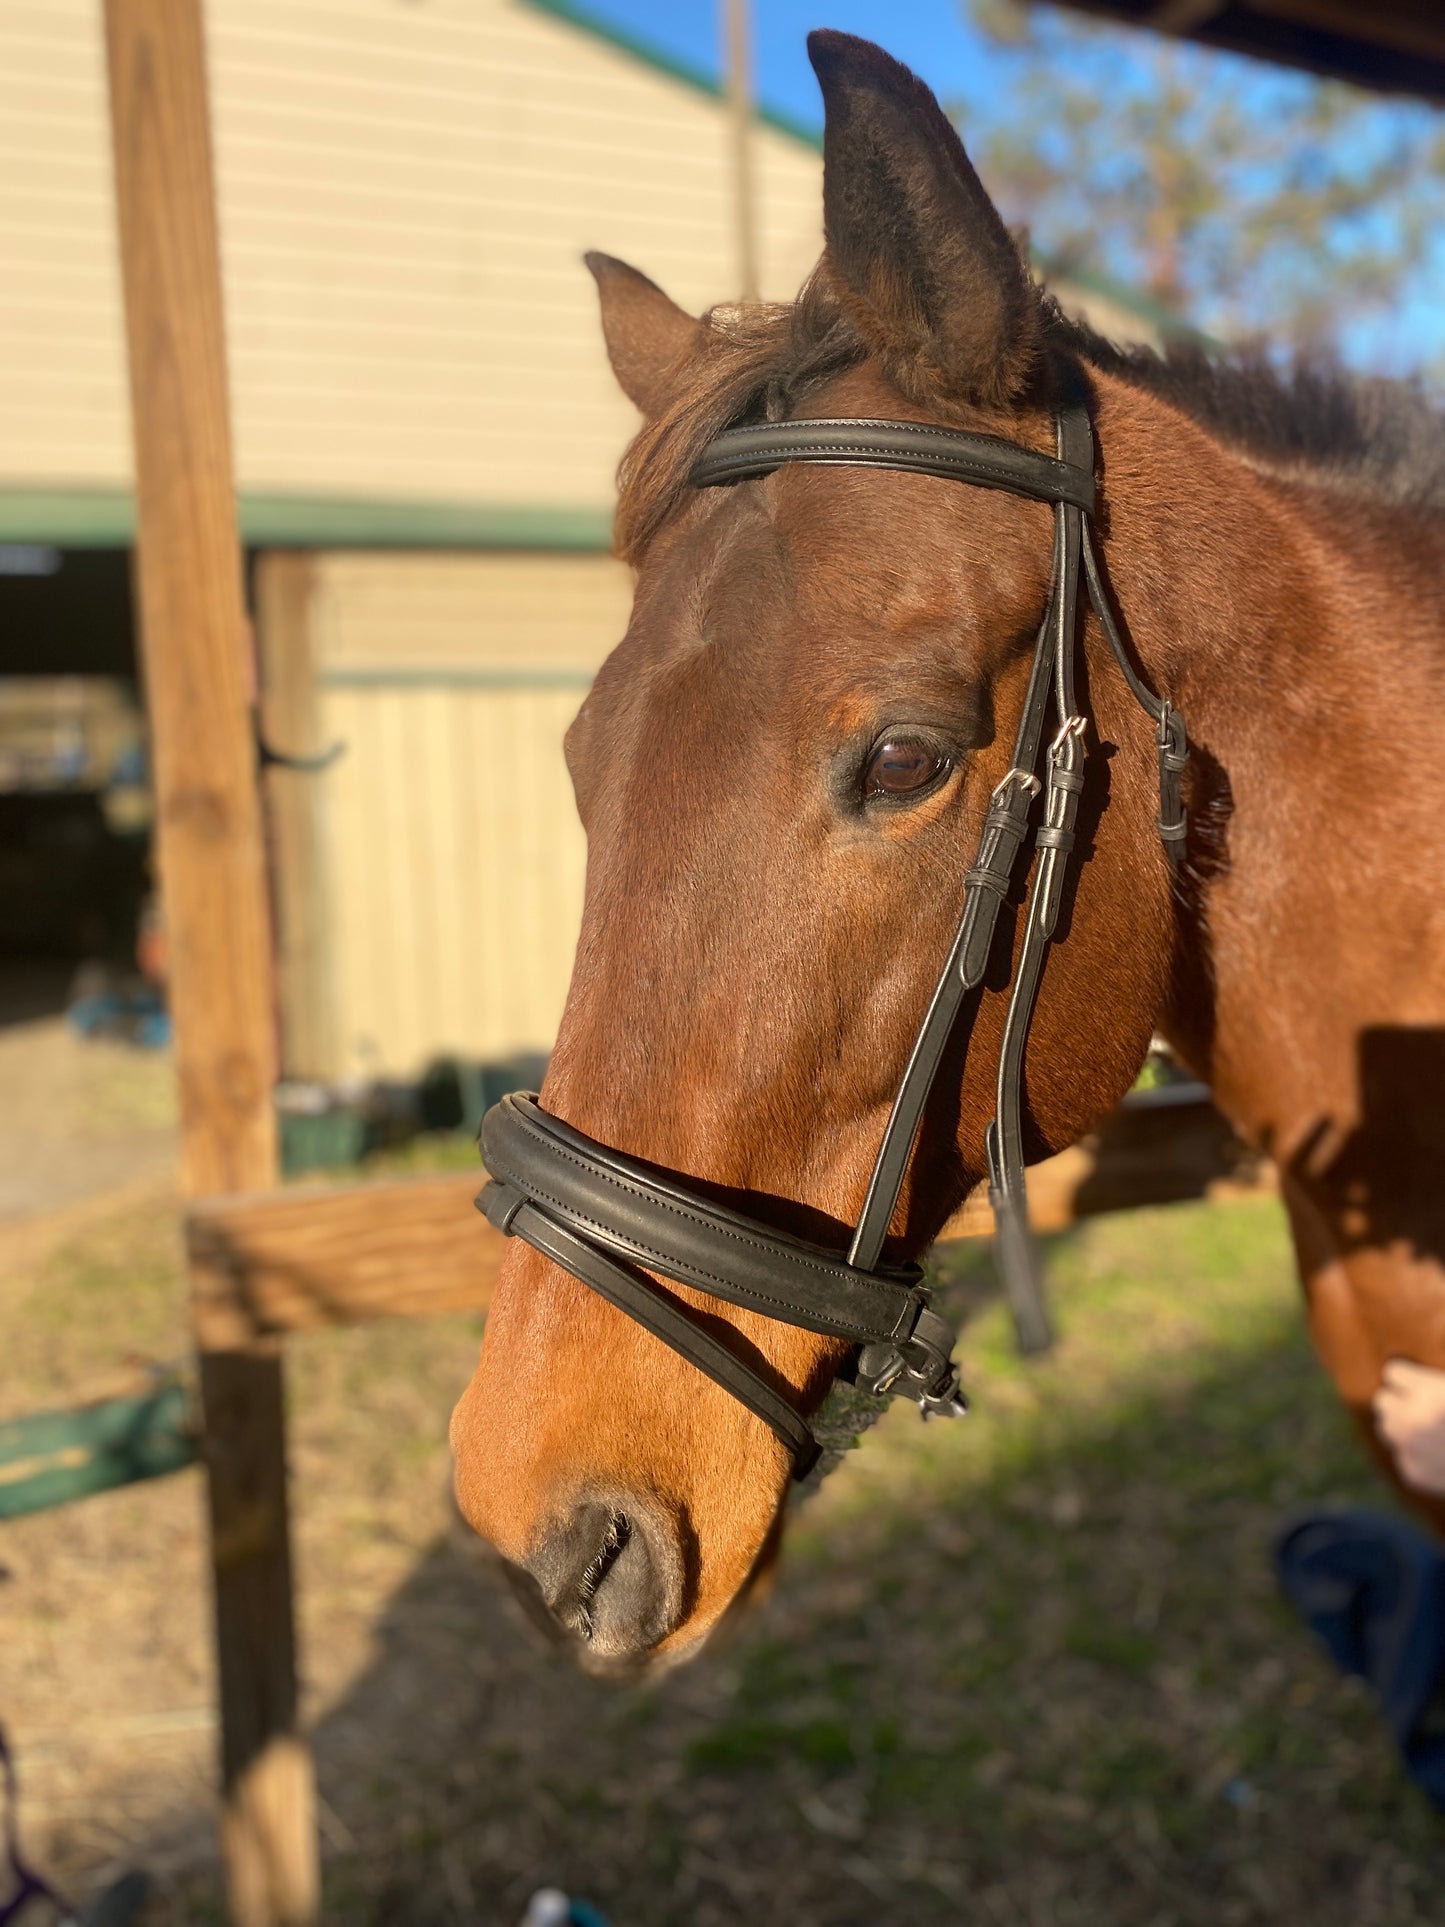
(737, 45)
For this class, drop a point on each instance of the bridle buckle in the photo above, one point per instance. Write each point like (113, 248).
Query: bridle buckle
(1025, 778)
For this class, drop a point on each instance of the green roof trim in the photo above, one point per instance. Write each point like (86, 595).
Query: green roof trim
(86, 518)
(455, 676)
(303, 522)
(101, 518)
(651, 55)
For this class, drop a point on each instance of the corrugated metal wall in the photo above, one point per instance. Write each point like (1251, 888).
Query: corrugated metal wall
(405, 195)
(451, 852)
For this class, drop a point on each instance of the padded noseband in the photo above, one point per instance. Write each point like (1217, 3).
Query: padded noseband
(609, 1219)
(619, 1225)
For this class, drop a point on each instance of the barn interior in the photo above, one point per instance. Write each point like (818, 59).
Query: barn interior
(74, 803)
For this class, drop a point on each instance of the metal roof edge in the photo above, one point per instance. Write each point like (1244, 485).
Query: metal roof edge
(651, 55)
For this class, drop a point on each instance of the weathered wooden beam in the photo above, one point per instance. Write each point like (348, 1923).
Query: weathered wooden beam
(284, 587)
(312, 1256)
(199, 686)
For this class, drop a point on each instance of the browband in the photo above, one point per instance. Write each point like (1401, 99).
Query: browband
(742, 454)
(612, 1220)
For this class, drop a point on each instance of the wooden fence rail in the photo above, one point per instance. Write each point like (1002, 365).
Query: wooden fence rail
(311, 1256)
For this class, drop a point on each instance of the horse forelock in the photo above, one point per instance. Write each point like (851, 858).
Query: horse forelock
(758, 362)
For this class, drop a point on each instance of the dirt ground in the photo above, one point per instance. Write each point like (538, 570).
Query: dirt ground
(77, 1120)
(1026, 1669)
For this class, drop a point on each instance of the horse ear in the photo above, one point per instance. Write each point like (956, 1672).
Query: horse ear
(648, 336)
(916, 250)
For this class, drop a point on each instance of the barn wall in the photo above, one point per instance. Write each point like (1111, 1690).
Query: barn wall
(405, 191)
(451, 858)
(405, 195)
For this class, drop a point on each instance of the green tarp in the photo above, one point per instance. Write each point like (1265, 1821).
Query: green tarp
(50, 1458)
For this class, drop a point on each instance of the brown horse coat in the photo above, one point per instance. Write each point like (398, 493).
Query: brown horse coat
(762, 930)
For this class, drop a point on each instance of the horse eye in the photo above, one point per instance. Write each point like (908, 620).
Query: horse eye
(901, 766)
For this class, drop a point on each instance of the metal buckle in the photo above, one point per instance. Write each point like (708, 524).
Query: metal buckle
(1071, 726)
(1017, 775)
(933, 1390)
(879, 1383)
(947, 1403)
(1170, 736)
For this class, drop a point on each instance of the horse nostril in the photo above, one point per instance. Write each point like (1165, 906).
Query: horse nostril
(611, 1577)
(574, 1593)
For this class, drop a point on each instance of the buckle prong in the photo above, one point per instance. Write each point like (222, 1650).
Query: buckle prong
(1024, 777)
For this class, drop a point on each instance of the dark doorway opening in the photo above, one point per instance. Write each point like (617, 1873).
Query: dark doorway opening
(74, 791)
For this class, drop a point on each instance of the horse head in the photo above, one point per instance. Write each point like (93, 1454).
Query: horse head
(784, 770)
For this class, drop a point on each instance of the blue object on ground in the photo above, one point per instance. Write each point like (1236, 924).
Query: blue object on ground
(130, 1016)
(1373, 1588)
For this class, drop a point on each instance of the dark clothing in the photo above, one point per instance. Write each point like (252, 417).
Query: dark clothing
(1373, 1588)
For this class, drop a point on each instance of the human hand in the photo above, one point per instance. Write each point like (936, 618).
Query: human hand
(1410, 1417)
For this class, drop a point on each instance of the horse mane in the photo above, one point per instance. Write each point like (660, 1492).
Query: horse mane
(1359, 435)
(1311, 419)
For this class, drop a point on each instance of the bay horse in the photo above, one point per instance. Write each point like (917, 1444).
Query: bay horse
(783, 769)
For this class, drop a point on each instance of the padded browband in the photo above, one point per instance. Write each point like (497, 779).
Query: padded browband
(740, 454)
(532, 1156)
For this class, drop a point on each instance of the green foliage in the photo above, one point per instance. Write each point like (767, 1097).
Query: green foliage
(1244, 199)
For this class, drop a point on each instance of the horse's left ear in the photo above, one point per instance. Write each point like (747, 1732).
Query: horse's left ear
(648, 336)
(917, 251)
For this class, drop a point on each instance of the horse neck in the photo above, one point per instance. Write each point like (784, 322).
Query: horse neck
(1292, 627)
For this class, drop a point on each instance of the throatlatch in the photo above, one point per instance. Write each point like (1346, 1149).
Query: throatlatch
(611, 1220)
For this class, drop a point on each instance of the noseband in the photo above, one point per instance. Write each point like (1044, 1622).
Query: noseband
(611, 1220)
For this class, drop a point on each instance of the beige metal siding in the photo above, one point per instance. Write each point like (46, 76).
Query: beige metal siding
(419, 613)
(405, 195)
(451, 852)
(63, 414)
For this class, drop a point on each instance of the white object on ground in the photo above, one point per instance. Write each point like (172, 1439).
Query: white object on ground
(548, 1907)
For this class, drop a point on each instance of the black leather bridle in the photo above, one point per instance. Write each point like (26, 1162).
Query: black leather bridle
(612, 1220)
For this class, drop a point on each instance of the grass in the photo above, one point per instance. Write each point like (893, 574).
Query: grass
(1029, 1668)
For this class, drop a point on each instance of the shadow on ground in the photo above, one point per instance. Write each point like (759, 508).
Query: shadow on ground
(1029, 1672)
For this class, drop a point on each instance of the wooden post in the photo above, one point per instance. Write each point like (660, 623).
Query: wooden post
(295, 801)
(212, 868)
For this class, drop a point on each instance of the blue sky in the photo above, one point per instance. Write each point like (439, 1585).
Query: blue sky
(935, 38)
(930, 35)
